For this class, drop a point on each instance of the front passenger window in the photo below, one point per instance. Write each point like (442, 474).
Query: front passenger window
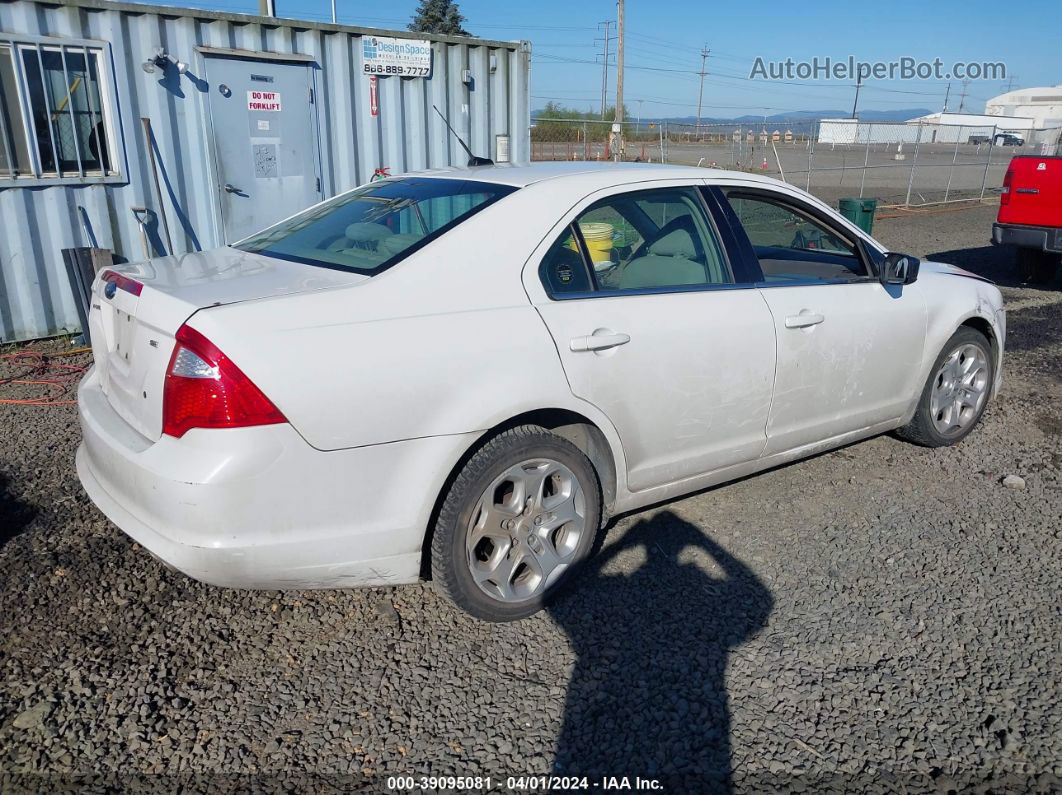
(792, 246)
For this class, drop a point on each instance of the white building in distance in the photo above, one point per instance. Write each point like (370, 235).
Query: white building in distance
(1042, 105)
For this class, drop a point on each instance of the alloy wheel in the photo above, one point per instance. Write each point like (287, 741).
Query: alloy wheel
(959, 389)
(525, 530)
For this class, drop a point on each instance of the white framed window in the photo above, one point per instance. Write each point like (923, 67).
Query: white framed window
(58, 118)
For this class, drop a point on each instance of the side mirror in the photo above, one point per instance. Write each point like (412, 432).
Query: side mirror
(898, 269)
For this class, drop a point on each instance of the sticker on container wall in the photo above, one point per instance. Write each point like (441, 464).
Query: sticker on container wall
(399, 57)
(374, 96)
(263, 100)
(265, 160)
(263, 124)
(501, 148)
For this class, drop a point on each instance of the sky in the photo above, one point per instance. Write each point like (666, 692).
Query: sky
(664, 41)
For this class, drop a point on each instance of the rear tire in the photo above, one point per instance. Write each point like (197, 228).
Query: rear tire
(1037, 267)
(516, 525)
(956, 392)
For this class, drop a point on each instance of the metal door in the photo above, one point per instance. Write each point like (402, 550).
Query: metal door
(265, 141)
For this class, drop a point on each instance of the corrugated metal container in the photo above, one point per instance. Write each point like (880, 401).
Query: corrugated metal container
(483, 87)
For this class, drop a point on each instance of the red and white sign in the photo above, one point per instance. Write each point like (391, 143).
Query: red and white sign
(263, 100)
(374, 96)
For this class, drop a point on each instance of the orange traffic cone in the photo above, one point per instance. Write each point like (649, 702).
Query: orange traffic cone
(763, 165)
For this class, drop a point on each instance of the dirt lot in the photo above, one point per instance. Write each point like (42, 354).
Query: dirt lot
(883, 617)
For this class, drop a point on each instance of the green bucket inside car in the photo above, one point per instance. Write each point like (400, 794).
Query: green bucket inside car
(860, 212)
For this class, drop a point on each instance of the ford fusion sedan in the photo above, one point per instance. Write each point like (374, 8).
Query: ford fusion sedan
(462, 374)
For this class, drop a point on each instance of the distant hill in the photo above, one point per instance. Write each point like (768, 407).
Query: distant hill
(802, 116)
(815, 115)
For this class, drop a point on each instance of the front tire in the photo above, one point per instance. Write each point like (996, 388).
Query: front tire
(956, 393)
(516, 524)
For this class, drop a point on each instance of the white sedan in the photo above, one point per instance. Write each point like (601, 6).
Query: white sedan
(461, 374)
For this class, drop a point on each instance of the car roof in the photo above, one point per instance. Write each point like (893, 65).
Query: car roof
(523, 175)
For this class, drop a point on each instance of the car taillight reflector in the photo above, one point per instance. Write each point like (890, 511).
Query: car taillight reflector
(205, 389)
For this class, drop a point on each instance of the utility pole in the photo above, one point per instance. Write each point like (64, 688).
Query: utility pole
(700, 91)
(962, 99)
(267, 8)
(859, 83)
(619, 62)
(333, 12)
(946, 95)
(604, 66)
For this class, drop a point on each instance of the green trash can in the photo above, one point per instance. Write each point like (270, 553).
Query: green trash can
(860, 212)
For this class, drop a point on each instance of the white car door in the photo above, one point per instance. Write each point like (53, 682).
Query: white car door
(654, 329)
(849, 348)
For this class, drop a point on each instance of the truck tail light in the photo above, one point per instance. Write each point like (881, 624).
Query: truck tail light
(205, 389)
(1004, 194)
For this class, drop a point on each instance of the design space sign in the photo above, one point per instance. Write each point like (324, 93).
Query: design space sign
(263, 100)
(401, 57)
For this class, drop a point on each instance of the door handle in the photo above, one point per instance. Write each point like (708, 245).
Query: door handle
(232, 188)
(803, 320)
(598, 342)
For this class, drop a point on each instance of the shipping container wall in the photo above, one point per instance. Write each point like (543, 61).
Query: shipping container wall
(482, 86)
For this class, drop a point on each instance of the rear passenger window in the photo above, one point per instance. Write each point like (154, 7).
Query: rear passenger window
(644, 240)
(792, 246)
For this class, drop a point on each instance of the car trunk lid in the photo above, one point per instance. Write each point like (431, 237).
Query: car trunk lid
(137, 309)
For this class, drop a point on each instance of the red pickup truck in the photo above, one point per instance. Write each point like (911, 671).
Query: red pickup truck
(1030, 215)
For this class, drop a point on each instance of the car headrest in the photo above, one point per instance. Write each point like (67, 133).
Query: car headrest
(678, 243)
(366, 232)
(655, 271)
(397, 243)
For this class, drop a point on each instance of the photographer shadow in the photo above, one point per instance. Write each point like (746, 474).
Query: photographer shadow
(648, 694)
(15, 514)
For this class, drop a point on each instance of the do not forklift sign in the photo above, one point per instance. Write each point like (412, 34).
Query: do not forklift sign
(263, 100)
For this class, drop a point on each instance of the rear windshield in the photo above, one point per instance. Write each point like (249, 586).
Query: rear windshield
(373, 227)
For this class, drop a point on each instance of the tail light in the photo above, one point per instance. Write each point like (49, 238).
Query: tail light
(205, 389)
(1004, 194)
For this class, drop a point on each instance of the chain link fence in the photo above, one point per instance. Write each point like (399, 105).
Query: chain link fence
(906, 164)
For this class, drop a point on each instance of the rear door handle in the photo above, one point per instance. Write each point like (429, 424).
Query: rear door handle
(803, 320)
(598, 341)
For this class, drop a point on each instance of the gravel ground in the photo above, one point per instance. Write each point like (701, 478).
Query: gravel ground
(882, 617)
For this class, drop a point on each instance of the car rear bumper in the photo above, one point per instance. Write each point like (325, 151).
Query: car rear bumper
(1043, 238)
(259, 507)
